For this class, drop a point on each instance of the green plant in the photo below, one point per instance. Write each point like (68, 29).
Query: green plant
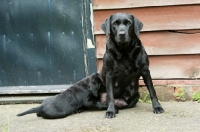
(179, 94)
(196, 96)
(146, 99)
(6, 125)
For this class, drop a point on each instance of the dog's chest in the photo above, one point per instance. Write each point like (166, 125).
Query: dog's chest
(125, 67)
(125, 73)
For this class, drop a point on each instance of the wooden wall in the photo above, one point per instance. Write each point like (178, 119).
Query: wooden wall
(171, 34)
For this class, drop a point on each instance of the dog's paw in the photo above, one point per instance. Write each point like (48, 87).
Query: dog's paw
(158, 110)
(80, 110)
(116, 110)
(110, 114)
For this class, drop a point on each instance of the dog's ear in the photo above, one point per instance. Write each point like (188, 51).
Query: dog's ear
(138, 25)
(97, 75)
(106, 26)
(94, 88)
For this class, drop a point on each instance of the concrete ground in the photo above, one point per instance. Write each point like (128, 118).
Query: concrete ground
(178, 117)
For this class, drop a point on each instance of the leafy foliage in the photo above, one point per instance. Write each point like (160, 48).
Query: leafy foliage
(196, 96)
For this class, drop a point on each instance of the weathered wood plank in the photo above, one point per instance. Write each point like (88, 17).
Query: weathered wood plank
(157, 18)
(161, 43)
(172, 67)
(113, 4)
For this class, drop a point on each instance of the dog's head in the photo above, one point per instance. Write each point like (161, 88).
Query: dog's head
(122, 28)
(96, 85)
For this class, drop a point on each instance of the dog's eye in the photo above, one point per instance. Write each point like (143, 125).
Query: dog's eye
(115, 24)
(128, 23)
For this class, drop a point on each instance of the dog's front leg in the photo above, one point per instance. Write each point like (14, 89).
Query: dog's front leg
(148, 81)
(110, 113)
(95, 103)
(100, 105)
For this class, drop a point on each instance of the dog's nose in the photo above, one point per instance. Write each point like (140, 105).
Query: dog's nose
(121, 33)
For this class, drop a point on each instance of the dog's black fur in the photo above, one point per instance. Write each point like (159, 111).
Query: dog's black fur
(83, 94)
(124, 61)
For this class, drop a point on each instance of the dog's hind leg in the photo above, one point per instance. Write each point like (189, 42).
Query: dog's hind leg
(30, 111)
(56, 115)
(38, 114)
(80, 110)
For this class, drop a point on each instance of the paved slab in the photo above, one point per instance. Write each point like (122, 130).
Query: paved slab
(22, 99)
(179, 117)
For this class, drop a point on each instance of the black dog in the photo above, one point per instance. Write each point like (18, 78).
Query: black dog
(83, 94)
(124, 61)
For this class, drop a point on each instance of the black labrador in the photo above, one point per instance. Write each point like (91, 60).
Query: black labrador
(81, 95)
(124, 61)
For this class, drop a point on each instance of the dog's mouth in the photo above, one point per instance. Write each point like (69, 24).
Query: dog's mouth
(123, 44)
(123, 41)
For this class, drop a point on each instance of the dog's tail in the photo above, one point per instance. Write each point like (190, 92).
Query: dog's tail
(30, 111)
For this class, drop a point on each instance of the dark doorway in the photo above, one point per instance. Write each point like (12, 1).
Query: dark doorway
(44, 42)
